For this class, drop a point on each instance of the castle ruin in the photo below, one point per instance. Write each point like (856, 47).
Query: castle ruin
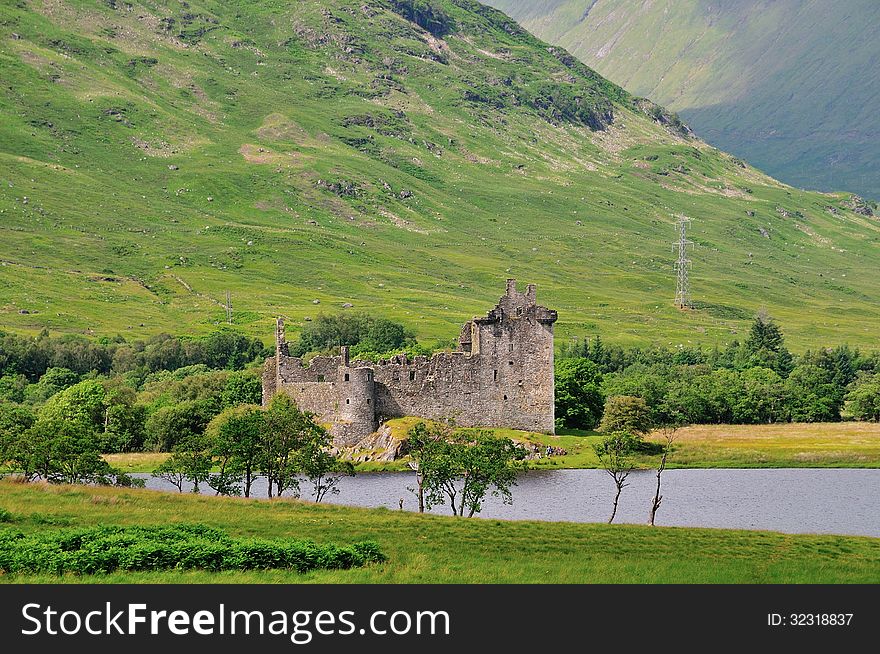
(501, 376)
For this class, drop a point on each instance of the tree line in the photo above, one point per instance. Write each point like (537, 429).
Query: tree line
(756, 381)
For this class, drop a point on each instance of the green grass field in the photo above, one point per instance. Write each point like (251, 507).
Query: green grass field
(152, 159)
(440, 549)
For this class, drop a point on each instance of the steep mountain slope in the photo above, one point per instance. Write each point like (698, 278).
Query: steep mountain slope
(154, 155)
(789, 85)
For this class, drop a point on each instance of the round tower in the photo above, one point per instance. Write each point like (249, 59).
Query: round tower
(356, 396)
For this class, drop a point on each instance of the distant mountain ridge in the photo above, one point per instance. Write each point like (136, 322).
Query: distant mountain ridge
(791, 85)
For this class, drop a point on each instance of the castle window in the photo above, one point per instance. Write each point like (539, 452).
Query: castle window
(347, 401)
(511, 347)
(510, 362)
(494, 375)
(519, 311)
(346, 376)
(368, 401)
(505, 397)
(412, 375)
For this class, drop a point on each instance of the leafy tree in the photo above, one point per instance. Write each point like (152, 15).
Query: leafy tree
(62, 449)
(242, 388)
(649, 382)
(615, 456)
(322, 468)
(578, 394)
(353, 329)
(625, 413)
(191, 458)
(12, 388)
(14, 422)
(812, 393)
(53, 381)
(759, 398)
(237, 436)
(172, 470)
(766, 345)
(863, 399)
(463, 466)
(171, 425)
(286, 430)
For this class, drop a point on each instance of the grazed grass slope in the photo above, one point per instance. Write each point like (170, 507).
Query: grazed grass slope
(787, 85)
(155, 154)
(441, 549)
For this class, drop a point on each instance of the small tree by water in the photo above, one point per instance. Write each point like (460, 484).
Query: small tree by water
(615, 456)
(462, 466)
(669, 432)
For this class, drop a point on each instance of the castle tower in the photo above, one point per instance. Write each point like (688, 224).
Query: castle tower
(356, 399)
(515, 340)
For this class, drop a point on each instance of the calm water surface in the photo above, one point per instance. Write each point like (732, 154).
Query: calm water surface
(833, 501)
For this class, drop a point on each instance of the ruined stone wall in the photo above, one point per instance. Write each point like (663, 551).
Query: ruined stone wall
(501, 377)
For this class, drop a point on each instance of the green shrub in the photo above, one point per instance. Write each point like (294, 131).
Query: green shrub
(105, 549)
(6, 516)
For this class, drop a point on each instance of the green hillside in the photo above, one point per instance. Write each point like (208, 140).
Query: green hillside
(790, 86)
(154, 155)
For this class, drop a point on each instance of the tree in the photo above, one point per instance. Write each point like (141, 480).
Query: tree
(614, 452)
(463, 466)
(286, 430)
(354, 329)
(813, 395)
(625, 413)
(14, 421)
(759, 397)
(424, 443)
(53, 381)
(190, 461)
(237, 437)
(669, 430)
(12, 388)
(173, 471)
(488, 465)
(863, 399)
(170, 425)
(320, 466)
(578, 394)
(766, 345)
(62, 450)
(242, 388)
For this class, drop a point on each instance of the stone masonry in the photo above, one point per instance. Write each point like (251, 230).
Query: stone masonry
(501, 376)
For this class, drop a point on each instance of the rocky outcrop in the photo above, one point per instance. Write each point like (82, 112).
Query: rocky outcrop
(858, 205)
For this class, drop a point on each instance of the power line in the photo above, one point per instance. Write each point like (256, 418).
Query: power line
(682, 286)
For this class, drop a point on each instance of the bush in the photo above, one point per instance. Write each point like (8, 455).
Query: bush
(188, 547)
(6, 516)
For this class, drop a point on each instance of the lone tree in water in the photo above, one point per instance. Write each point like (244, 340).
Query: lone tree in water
(614, 452)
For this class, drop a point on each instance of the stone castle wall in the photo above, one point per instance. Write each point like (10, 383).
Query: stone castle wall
(502, 376)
